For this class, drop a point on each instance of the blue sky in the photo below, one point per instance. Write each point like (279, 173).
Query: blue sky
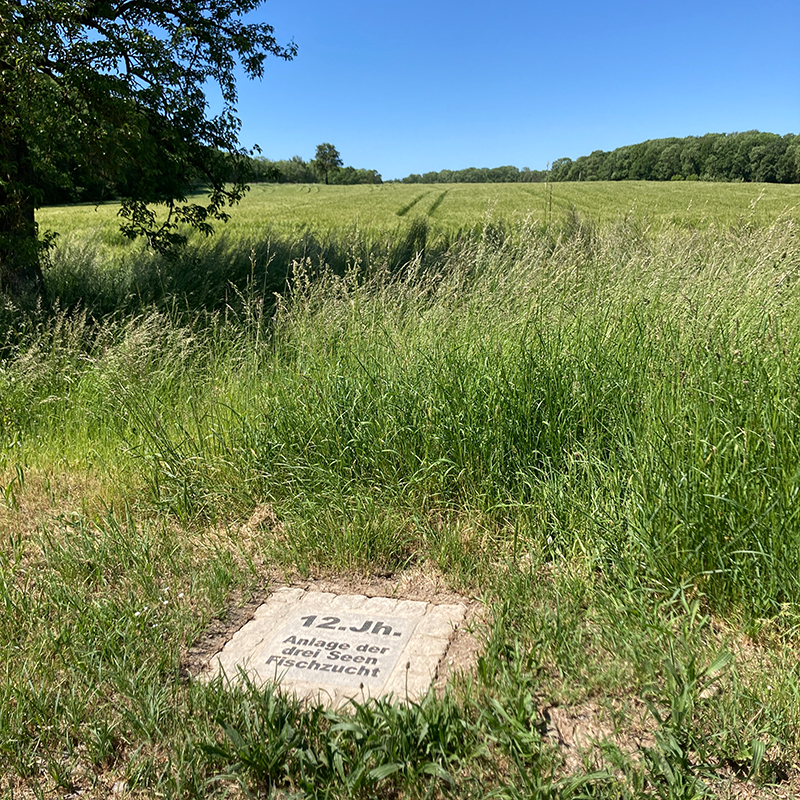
(417, 86)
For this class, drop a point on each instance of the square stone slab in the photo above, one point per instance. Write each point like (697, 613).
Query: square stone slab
(331, 648)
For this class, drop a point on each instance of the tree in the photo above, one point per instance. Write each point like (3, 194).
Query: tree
(116, 90)
(327, 159)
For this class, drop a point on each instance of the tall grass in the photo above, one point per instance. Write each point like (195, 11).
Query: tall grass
(596, 425)
(627, 393)
(212, 274)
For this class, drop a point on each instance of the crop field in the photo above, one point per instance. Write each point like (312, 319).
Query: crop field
(286, 209)
(578, 405)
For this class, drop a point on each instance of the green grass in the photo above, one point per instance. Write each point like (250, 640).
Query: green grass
(290, 209)
(341, 227)
(592, 425)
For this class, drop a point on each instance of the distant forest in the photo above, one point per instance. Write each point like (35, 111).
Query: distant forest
(480, 175)
(296, 170)
(750, 156)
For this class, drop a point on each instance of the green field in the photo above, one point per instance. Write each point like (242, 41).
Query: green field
(289, 208)
(584, 413)
(458, 206)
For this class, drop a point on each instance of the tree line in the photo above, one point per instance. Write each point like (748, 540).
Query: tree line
(326, 167)
(748, 156)
(83, 185)
(506, 174)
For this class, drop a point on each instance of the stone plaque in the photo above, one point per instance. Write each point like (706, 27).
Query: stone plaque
(351, 649)
(332, 647)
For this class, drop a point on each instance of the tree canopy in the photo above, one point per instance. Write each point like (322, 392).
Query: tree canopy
(748, 156)
(296, 170)
(327, 159)
(112, 94)
(507, 174)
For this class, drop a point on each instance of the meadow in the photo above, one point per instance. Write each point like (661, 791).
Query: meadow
(578, 404)
(378, 209)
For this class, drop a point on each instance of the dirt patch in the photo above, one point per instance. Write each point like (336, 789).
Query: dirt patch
(31, 498)
(419, 583)
(583, 732)
(579, 731)
(732, 787)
